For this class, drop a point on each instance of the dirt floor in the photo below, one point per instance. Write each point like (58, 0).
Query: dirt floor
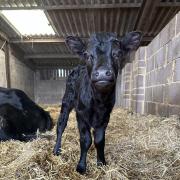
(137, 147)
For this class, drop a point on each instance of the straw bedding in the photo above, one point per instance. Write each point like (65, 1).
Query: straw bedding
(137, 147)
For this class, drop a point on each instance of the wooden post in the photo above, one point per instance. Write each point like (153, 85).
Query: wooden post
(7, 64)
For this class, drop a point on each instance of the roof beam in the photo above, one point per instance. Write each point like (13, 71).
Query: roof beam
(10, 25)
(7, 65)
(83, 6)
(146, 14)
(3, 36)
(38, 40)
(78, 6)
(49, 66)
(57, 40)
(50, 56)
(169, 4)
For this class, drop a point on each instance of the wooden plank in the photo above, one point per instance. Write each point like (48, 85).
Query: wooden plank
(7, 65)
(38, 40)
(3, 36)
(46, 66)
(50, 56)
(10, 25)
(58, 40)
(5, 6)
(79, 6)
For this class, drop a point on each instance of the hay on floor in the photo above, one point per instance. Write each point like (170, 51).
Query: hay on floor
(137, 147)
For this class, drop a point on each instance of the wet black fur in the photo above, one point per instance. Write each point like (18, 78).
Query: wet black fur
(92, 106)
(20, 117)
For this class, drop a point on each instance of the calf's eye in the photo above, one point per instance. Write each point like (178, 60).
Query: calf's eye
(117, 54)
(88, 57)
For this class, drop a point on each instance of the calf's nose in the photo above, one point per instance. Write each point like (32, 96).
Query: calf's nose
(104, 74)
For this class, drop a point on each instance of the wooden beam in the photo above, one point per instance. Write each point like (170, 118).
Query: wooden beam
(146, 14)
(169, 4)
(50, 56)
(38, 40)
(7, 65)
(47, 66)
(78, 6)
(83, 6)
(3, 36)
(55, 40)
(10, 24)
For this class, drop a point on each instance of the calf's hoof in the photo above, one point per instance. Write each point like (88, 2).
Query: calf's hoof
(81, 169)
(56, 151)
(101, 163)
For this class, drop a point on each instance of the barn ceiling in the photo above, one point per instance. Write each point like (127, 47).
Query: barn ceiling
(81, 18)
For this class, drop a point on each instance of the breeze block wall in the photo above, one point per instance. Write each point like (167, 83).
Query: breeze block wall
(3, 81)
(125, 88)
(138, 81)
(50, 89)
(22, 77)
(155, 74)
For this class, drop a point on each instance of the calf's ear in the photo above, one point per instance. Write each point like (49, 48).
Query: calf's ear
(131, 41)
(75, 44)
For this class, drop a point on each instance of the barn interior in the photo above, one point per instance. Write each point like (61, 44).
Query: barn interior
(39, 62)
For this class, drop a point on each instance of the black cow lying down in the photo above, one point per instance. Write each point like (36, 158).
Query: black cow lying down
(90, 89)
(20, 117)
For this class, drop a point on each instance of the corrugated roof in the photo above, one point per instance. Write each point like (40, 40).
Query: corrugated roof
(83, 17)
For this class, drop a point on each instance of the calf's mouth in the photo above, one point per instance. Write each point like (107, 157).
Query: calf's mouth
(104, 85)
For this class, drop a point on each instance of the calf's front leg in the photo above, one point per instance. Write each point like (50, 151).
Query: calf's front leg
(99, 142)
(85, 143)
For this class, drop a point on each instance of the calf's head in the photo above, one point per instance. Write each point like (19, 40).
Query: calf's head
(44, 120)
(104, 54)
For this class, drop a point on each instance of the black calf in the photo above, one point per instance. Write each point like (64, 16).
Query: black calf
(90, 89)
(20, 117)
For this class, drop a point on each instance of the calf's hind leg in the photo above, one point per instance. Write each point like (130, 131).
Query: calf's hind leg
(61, 125)
(4, 136)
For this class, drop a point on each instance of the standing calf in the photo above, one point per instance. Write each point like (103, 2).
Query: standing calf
(90, 89)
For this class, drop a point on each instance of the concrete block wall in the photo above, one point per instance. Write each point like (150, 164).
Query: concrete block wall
(155, 74)
(138, 81)
(49, 91)
(21, 76)
(3, 81)
(124, 89)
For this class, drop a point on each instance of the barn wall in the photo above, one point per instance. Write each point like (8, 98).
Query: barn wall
(137, 88)
(22, 77)
(118, 90)
(49, 91)
(153, 86)
(3, 81)
(163, 71)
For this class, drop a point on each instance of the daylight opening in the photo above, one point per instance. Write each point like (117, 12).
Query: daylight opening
(29, 22)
